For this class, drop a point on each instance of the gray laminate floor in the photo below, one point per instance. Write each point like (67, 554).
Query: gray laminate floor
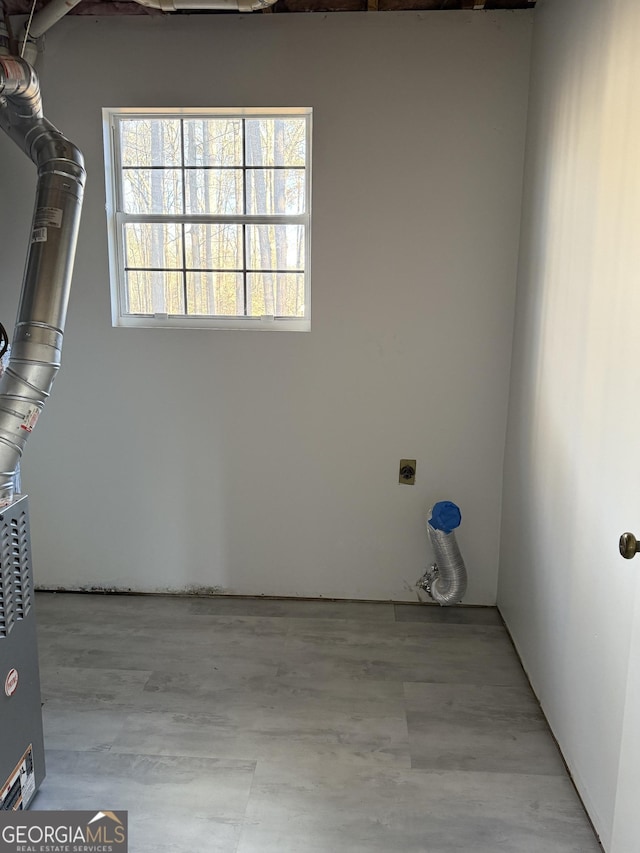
(229, 725)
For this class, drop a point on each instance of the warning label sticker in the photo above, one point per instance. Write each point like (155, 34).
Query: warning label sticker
(49, 216)
(29, 420)
(20, 787)
(39, 235)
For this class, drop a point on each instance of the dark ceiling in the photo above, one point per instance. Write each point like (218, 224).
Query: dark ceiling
(129, 7)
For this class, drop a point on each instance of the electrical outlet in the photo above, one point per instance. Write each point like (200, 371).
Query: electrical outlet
(407, 474)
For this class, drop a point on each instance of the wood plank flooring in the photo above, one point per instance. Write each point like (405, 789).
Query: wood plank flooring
(236, 725)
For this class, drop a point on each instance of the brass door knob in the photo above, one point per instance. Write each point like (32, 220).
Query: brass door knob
(629, 546)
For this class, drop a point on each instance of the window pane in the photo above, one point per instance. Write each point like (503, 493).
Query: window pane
(276, 294)
(152, 191)
(152, 244)
(154, 292)
(275, 191)
(275, 247)
(213, 142)
(214, 191)
(150, 142)
(276, 141)
(215, 293)
(214, 246)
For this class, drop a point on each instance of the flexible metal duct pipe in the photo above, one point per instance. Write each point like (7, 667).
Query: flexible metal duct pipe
(446, 580)
(37, 342)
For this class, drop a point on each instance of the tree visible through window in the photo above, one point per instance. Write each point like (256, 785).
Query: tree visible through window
(209, 217)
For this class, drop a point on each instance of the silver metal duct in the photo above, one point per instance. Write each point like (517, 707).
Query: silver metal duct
(37, 342)
(446, 580)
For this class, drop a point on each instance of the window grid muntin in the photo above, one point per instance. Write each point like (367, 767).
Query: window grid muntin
(182, 224)
(244, 211)
(245, 219)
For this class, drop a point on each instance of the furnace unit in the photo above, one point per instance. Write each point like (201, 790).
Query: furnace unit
(25, 386)
(21, 742)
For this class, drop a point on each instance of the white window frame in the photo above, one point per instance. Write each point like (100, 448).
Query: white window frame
(117, 218)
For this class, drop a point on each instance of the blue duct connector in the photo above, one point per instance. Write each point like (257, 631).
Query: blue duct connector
(445, 516)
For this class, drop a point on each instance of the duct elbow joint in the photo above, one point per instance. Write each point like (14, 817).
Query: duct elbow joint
(19, 85)
(47, 145)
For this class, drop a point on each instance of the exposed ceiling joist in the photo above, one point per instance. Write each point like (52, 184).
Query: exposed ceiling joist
(131, 7)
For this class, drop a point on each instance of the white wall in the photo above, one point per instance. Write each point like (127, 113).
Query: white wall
(572, 466)
(267, 463)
